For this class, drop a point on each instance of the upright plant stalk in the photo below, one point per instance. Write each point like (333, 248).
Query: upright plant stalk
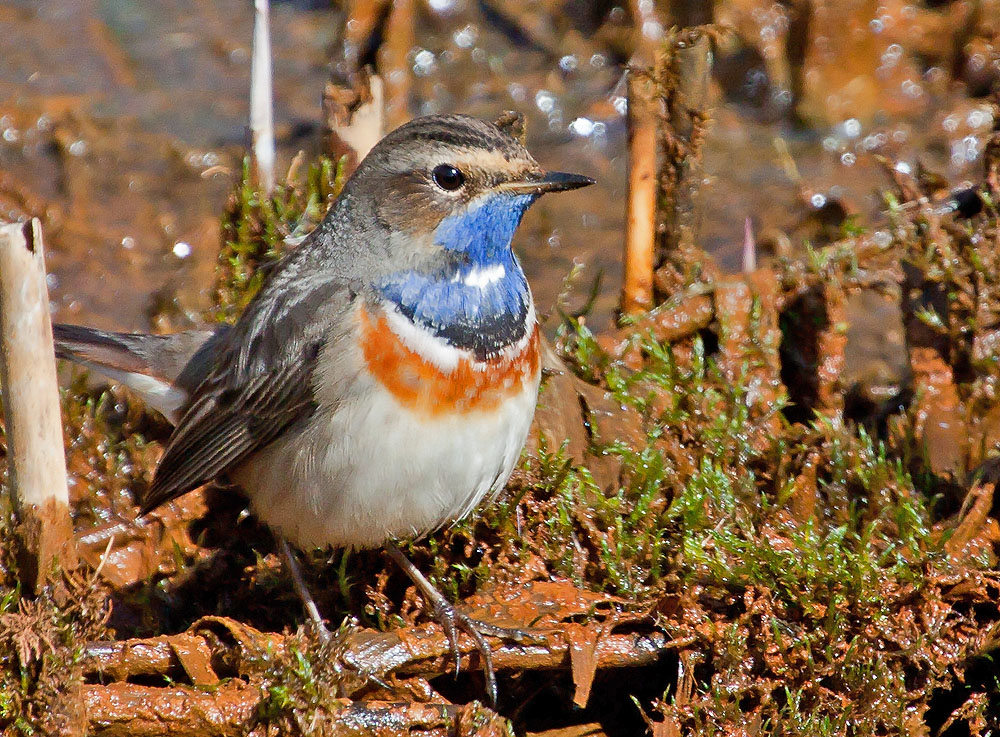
(394, 62)
(261, 104)
(640, 219)
(31, 406)
(640, 234)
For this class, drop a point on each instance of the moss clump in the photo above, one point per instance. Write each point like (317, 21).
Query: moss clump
(302, 684)
(256, 230)
(40, 648)
(112, 445)
(807, 564)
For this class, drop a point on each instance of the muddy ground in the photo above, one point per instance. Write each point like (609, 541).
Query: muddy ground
(767, 506)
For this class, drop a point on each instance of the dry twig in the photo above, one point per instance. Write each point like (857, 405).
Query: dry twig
(640, 235)
(261, 105)
(31, 405)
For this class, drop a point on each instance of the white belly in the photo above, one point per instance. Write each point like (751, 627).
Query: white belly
(372, 470)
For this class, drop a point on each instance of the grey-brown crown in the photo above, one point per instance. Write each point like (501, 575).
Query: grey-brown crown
(459, 132)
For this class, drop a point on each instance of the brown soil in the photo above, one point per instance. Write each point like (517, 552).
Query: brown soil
(767, 506)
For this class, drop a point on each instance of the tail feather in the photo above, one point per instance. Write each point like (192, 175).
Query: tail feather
(163, 369)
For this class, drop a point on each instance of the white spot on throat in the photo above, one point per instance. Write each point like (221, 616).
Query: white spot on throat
(480, 278)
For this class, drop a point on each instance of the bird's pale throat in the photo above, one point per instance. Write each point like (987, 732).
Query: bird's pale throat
(476, 297)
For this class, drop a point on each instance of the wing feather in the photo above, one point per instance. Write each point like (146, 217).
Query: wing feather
(259, 387)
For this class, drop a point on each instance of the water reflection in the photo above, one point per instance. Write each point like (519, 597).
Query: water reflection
(145, 98)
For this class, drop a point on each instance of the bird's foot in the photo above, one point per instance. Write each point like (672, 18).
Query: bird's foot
(321, 632)
(365, 675)
(454, 621)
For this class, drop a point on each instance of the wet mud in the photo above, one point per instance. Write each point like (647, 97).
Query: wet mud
(765, 506)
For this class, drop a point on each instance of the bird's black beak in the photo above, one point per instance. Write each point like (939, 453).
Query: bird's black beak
(551, 181)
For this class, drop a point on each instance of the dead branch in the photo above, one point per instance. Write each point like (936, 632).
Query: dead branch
(31, 406)
(128, 710)
(833, 349)
(682, 76)
(394, 64)
(673, 320)
(232, 650)
(261, 106)
(640, 234)
(748, 309)
(412, 651)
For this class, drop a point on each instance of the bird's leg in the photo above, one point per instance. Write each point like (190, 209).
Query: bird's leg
(313, 611)
(300, 588)
(452, 620)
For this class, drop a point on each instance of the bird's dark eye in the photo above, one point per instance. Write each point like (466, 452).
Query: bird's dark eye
(447, 177)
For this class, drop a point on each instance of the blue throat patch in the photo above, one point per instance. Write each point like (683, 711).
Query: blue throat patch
(468, 302)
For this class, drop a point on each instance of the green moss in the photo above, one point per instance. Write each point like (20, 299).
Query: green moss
(794, 557)
(301, 685)
(256, 230)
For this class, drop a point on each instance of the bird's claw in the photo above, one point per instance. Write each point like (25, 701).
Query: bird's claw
(366, 675)
(452, 621)
(321, 632)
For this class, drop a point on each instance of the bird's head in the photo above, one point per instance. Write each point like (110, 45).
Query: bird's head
(447, 194)
(456, 183)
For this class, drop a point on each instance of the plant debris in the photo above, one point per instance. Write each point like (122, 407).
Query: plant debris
(735, 517)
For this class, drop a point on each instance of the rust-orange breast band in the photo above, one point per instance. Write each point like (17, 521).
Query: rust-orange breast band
(422, 386)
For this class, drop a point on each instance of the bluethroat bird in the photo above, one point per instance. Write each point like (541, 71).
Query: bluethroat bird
(382, 382)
